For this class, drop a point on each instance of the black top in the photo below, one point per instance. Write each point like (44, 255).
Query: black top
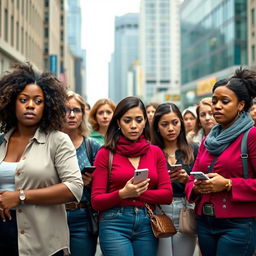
(178, 188)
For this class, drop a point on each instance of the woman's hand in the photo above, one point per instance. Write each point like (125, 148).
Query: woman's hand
(216, 183)
(179, 175)
(8, 200)
(87, 178)
(131, 190)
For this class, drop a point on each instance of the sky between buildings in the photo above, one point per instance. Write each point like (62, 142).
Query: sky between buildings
(98, 18)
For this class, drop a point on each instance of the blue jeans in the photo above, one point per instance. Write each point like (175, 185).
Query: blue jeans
(126, 231)
(180, 244)
(9, 236)
(226, 236)
(82, 242)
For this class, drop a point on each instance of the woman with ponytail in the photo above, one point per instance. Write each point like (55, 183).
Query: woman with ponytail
(226, 202)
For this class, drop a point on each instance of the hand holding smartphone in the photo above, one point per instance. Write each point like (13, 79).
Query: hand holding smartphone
(199, 175)
(175, 167)
(88, 169)
(140, 175)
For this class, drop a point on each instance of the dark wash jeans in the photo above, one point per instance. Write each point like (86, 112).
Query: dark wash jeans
(126, 231)
(226, 236)
(9, 237)
(82, 242)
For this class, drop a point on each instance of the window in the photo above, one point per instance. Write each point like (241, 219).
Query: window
(17, 36)
(46, 33)
(6, 27)
(253, 52)
(12, 31)
(252, 16)
(22, 40)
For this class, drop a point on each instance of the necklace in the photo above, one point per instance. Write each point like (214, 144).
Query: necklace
(170, 155)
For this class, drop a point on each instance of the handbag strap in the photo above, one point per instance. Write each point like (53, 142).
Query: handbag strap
(110, 162)
(88, 150)
(244, 154)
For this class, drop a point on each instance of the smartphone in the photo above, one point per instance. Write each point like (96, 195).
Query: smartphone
(88, 169)
(199, 175)
(140, 175)
(175, 167)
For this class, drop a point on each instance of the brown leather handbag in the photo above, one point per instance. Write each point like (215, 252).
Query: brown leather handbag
(162, 225)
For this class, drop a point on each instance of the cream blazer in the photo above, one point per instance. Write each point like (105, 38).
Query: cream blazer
(47, 160)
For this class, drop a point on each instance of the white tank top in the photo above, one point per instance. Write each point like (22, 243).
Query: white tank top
(7, 175)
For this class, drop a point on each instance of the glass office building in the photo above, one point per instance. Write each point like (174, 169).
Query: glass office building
(213, 43)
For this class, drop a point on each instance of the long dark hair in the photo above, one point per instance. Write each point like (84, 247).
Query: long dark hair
(157, 139)
(113, 132)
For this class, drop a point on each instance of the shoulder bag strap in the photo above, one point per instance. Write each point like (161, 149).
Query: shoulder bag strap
(110, 161)
(210, 167)
(88, 150)
(244, 154)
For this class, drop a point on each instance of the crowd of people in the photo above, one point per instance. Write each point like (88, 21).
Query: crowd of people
(61, 161)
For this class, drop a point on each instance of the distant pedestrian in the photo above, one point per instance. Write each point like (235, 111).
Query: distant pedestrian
(151, 109)
(168, 133)
(100, 117)
(82, 239)
(253, 111)
(189, 116)
(226, 202)
(124, 223)
(204, 121)
(39, 172)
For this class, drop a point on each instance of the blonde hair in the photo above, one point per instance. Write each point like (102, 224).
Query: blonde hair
(203, 102)
(93, 112)
(85, 127)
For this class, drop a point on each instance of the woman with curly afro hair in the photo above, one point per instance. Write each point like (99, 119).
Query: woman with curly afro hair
(38, 165)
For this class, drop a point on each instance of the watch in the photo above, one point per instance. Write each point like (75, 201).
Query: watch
(22, 196)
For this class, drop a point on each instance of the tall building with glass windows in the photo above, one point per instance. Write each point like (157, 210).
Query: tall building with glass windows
(251, 10)
(125, 53)
(160, 49)
(213, 44)
(21, 33)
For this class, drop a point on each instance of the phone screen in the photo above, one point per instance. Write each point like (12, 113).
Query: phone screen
(88, 169)
(175, 167)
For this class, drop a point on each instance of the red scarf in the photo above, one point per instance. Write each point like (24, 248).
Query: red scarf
(131, 148)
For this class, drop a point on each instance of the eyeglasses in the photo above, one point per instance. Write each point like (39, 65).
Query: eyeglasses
(74, 110)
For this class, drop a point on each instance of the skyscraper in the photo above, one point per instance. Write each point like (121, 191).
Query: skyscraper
(214, 44)
(160, 49)
(125, 53)
(74, 40)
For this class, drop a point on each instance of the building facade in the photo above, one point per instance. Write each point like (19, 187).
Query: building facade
(160, 49)
(74, 30)
(214, 44)
(21, 33)
(251, 12)
(125, 53)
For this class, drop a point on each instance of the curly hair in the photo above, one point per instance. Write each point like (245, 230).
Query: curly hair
(12, 83)
(94, 110)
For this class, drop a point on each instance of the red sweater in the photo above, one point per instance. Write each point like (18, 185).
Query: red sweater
(159, 190)
(241, 200)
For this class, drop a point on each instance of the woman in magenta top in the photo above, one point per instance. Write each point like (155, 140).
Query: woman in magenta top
(226, 203)
(124, 224)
